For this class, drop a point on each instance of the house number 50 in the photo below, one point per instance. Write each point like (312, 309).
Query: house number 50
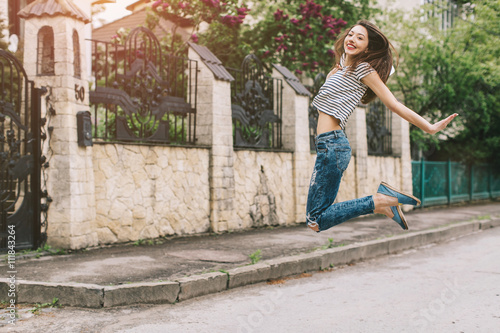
(79, 92)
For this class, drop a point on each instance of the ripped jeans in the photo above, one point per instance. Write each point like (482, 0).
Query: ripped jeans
(333, 156)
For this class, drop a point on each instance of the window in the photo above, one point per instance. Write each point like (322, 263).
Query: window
(45, 62)
(445, 11)
(76, 55)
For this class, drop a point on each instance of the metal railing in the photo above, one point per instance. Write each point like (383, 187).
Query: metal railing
(319, 79)
(20, 157)
(440, 183)
(141, 94)
(379, 129)
(257, 105)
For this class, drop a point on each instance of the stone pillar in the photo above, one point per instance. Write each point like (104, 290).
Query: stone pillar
(295, 119)
(356, 133)
(70, 183)
(214, 128)
(401, 148)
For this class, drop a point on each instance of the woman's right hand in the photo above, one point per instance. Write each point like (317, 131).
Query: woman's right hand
(333, 71)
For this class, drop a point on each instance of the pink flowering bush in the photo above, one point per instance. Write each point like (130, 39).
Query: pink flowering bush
(303, 39)
(299, 34)
(193, 12)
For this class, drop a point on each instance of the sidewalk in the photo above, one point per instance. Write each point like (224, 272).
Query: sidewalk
(183, 268)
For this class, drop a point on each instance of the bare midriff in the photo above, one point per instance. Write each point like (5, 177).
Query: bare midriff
(327, 123)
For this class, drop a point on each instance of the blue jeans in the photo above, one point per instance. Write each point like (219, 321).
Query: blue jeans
(333, 156)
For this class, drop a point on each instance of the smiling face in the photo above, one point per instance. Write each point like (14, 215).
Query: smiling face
(356, 41)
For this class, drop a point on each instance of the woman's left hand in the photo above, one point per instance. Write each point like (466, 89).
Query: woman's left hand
(374, 82)
(441, 125)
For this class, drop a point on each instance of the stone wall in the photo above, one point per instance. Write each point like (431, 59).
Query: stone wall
(264, 188)
(385, 168)
(347, 190)
(146, 192)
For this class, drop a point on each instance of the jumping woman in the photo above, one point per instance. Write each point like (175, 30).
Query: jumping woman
(363, 65)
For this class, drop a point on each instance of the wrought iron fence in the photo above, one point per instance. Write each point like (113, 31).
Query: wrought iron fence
(140, 94)
(379, 129)
(256, 104)
(438, 183)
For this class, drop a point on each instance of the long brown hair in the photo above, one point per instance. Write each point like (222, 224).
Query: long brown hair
(378, 54)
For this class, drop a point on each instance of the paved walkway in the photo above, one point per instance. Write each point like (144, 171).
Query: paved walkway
(222, 261)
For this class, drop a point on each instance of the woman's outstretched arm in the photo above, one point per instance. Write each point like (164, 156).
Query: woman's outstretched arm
(374, 82)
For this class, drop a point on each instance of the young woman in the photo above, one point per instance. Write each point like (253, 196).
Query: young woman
(363, 65)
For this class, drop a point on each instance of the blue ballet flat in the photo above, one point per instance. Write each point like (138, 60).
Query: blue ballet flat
(399, 217)
(403, 198)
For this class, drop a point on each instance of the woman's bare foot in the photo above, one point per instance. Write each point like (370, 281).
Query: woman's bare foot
(384, 201)
(384, 211)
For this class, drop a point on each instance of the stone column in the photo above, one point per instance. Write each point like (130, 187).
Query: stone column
(356, 133)
(70, 183)
(214, 128)
(295, 119)
(401, 148)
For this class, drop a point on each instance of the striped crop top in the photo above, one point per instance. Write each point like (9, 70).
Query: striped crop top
(342, 91)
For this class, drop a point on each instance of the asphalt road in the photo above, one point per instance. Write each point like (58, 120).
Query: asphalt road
(449, 287)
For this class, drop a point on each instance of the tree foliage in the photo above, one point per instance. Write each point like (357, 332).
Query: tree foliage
(454, 70)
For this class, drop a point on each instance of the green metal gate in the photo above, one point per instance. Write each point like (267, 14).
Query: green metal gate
(439, 183)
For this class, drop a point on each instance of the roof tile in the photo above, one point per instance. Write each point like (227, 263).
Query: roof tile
(212, 62)
(292, 80)
(132, 21)
(41, 8)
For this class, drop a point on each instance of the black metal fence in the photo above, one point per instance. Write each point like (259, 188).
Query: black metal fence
(140, 94)
(379, 129)
(20, 158)
(256, 103)
(319, 79)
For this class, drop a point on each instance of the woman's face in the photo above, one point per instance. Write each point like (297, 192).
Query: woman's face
(356, 41)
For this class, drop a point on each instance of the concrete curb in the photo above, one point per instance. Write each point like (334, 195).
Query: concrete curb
(69, 294)
(144, 293)
(95, 296)
(199, 285)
